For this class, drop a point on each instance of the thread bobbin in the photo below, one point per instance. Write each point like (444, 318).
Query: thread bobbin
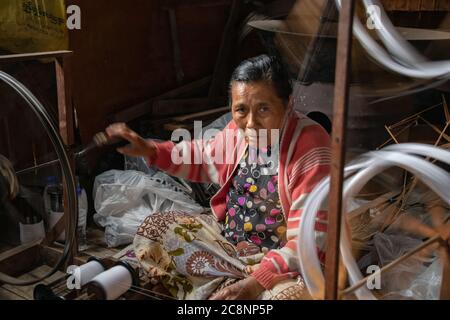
(113, 283)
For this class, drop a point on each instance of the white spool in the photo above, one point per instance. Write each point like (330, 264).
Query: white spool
(114, 282)
(89, 271)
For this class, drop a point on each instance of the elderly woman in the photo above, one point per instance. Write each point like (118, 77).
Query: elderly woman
(267, 160)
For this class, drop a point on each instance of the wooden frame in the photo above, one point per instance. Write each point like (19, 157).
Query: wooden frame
(19, 257)
(341, 101)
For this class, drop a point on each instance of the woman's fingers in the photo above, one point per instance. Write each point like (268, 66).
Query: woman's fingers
(121, 130)
(251, 269)
(139, 147)
(221, 295)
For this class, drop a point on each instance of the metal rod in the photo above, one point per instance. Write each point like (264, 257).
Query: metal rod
(12, 58)
(341, 100)
(37, 167)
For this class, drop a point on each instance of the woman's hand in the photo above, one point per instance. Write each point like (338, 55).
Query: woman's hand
(247, 289)
(139, 147)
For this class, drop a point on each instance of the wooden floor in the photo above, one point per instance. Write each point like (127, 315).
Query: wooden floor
(96, 247)
(8, 292)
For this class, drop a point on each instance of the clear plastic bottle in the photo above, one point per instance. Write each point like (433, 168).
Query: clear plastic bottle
(82, 218)
(53, 195)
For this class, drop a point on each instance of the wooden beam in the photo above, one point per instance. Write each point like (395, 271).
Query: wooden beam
(198, 115)
(12, 58)
(51, 255)
(176, 50)
(65, 109)
(177, 107)
(444, 253)
(66, 129)
(341, 100)
(57, 229)
(278, 8)
(373, 204)
(146, 107)
(222, 63)
(20, 259)
(196, 3)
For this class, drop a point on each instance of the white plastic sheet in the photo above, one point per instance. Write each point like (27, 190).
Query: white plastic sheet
(123, 199)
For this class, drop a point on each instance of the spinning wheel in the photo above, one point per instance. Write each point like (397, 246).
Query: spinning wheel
(7, 172)
(358, 174)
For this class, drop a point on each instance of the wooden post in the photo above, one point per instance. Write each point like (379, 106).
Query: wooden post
(66, 128)
(341, 93)
(220, 69)
(444, 251)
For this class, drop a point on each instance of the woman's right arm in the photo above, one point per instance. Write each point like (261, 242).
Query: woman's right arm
(138, 147)
(189, 160)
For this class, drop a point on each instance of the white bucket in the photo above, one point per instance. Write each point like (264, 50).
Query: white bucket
(31, 232)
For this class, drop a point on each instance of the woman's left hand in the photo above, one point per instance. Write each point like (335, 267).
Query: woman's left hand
(247, 289)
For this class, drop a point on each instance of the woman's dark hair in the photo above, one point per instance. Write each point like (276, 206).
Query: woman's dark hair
(264, 68)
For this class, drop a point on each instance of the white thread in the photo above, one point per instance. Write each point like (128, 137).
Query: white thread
(114, 282)
(89, 271)
(364, 169)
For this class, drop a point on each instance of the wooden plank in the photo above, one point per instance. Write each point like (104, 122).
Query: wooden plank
(372, 204)
(26, 292)
(146, 107)
(180, 107)
(12, 58)
(51, 255)
(196, 3)
(416, 5)
(5, 294)
(175, 45)
(96, 248)
(198, 115)
(20, 259)
(444, 252)
(55, 231)
(97, 245)
(278, 8)
(341, 100)
(66, 129)
(229, 35)
(65, 110)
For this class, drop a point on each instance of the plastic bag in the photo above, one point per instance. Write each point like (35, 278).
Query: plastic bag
(32, 26)
(123, 199)
(140, 164)
(417, 277)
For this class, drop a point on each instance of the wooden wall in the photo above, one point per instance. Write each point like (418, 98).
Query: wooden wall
(123, 53)
(416, 5)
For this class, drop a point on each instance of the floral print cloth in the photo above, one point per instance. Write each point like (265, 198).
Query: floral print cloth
(191, 258)
(254, 211)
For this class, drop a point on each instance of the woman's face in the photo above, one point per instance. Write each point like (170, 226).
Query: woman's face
(256, 105)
